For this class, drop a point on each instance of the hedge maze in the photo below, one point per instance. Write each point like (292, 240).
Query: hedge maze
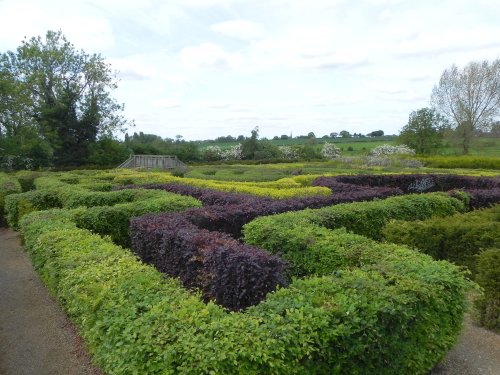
(323, 276)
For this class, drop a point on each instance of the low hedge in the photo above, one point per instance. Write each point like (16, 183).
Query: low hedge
(234, 275)
(8, 185)
(457, 238)
(275, 189)
(488, 276)
(413, 183)
(369, 218)
(114, 220)
(375, 319)
(466, 161)
(228, 212)
(18, 205)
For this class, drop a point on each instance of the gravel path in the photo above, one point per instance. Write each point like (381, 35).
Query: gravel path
(37, 338)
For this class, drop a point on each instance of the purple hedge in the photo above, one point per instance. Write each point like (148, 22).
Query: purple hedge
(233, 274)
(411, 183)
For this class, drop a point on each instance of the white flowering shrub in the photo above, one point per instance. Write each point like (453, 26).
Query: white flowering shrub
(385, 150)
(233, 153)
(330, 151)
(212, 153)
(288, 153)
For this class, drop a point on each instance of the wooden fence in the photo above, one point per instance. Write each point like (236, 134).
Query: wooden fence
(165, 162)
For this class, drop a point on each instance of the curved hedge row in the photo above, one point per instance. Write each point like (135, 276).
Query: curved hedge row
(369, 218)
(275, 189)
(372, 319)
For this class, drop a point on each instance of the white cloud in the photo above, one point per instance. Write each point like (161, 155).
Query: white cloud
(240, 29)
(209, 55)
(166, 103)
(31, 18)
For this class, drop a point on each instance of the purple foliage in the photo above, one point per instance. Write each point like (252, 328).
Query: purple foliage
(233, 274)
(411, 183)
(482, 198)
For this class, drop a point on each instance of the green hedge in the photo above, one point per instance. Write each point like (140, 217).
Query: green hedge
(373, 319)
(8, 185)
(457, 238)
(114, 220)
(369, 218)
(466, 161)
(18, 205)
(488, 276)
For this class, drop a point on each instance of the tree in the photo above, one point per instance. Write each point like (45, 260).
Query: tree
(424, 131)
(469, 98)
(345, 134)
(334, 135)
(376, 133)
(251, 145)
(311, 135)
(61, 92)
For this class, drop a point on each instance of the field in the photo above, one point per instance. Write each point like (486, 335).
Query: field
(355, 146)
(278, 268)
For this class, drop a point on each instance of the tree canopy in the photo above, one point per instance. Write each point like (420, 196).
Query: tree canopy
(424, 131)
(469, 98)
(56, 98)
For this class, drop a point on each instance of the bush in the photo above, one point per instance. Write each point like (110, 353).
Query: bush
(413, 183)
(466, 161)
(234, 275)
(369, 218)
(373, 320)
(457, 238)
(18, 205)
(488, 277)
(114, 221)
(8, 185)
(228, 212)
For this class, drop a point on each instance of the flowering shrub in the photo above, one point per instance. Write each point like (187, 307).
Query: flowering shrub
(392, 150)
(330, 151)
(232, 153)
(214, 153)
(288, 153)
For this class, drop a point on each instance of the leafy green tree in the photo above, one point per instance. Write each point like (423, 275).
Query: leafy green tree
(62, 93)
(251, 145)
(376, 133)
(424, 131)
(345, 134)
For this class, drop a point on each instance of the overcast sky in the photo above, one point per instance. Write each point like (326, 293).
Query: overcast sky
(206, 68)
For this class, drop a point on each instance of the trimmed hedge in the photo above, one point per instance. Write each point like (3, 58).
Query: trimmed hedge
(18, 205)
(369, 218)
(8, 185)
(275, 189)
(413, 183)
(457, 238)
(375, 319)
(228, 212)
(466, 161)
(488, 276)
(114, 220)
(234, 275)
